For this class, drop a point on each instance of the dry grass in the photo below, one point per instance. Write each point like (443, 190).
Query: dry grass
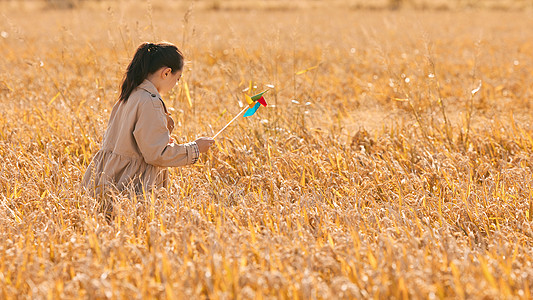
(387, 179)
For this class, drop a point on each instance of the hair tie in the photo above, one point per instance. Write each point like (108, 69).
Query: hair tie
(152, 47)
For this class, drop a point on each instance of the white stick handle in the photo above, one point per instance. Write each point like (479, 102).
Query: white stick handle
(214, 137)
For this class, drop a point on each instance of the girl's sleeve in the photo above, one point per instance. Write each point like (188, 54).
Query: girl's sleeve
(152, 137)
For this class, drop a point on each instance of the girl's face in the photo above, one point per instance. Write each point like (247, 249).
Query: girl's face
(170, 80)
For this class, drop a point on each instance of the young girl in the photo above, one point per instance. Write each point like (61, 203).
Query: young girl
(137, 147)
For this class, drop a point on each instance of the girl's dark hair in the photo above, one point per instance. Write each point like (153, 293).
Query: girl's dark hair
(147, 59)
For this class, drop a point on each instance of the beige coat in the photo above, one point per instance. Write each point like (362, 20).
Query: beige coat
(136, 149)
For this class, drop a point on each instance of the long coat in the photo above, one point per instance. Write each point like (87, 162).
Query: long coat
(137, 148)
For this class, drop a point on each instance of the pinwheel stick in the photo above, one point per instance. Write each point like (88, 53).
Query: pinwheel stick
(245, 108)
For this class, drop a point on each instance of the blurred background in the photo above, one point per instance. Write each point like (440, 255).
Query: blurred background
(285, 4)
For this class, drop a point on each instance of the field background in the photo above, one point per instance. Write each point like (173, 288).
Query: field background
(394, 159)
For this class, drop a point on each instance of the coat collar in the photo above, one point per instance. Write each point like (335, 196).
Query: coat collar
(148, 86)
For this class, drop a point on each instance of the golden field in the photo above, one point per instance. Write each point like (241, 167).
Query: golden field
(394, 160)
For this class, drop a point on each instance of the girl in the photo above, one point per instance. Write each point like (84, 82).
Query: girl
(137, 147)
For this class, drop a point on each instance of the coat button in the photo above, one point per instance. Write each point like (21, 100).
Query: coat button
(153, 95)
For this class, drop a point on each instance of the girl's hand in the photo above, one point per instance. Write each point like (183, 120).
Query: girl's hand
(204, 143)
(170, 123)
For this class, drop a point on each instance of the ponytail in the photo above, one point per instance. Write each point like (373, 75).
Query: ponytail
(147, 59)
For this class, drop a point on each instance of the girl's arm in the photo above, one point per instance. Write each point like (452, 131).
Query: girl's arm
(152, 137)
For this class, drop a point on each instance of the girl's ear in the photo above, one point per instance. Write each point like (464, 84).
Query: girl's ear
(166, 72)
